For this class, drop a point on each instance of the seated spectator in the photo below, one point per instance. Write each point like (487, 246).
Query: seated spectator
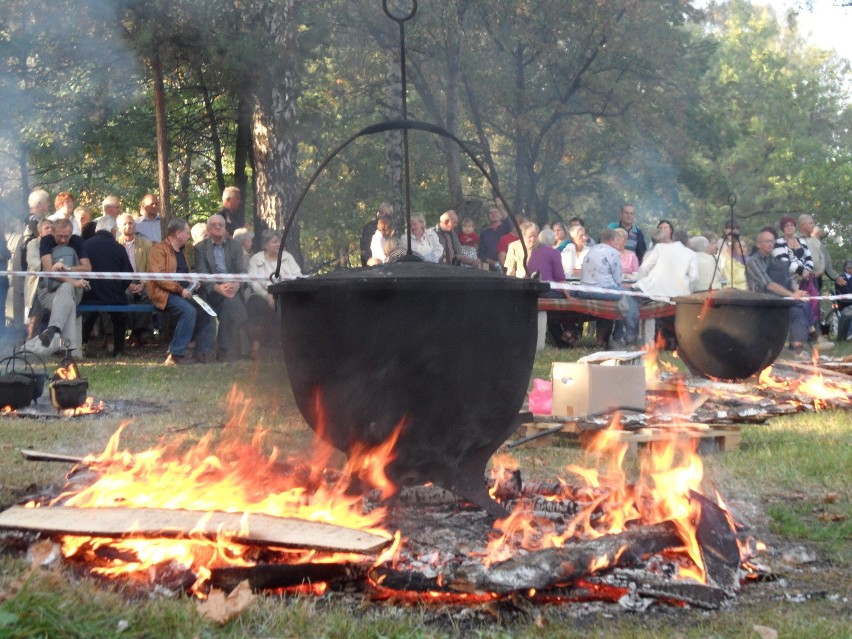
(244, 237)
(845, 306)
(220, 254)
(369, 231)
(107, 255)
(394, 251)
(543, 258)
(455, 253)
(769, 274)
(424, 242)
(561, 239)
(669, 268)
(138, 248)
(468, 235)
(602, 269)
(506, 239)
(514, 264)
(176, 297)
(384, 230)
(629, 261)
(32, 305)
(709, 276)
(83, 218)
(61, 252)
(263, 326)
(575, 252)
(732, 263)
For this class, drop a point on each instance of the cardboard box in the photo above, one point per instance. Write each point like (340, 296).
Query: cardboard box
(582, 389)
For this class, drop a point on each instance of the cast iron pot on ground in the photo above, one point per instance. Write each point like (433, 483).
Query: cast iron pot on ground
(731, 334)
(446, 352)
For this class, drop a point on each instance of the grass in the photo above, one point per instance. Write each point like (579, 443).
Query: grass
(789, 479)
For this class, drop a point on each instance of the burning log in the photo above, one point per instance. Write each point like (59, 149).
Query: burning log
(272, 576)
(249, 529)
(545, 568)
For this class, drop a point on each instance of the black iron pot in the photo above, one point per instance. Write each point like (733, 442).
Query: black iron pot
(16, 390)
(445, 352)
(731, 334)
(68, 393)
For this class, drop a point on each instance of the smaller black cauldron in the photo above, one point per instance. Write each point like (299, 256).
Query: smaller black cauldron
(16, 390)
(731, 334)
(68, 389)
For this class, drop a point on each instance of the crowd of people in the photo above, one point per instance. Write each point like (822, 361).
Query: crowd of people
(209, 321)
(671, 264)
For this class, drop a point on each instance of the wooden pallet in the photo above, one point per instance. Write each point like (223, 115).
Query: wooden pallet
(712, 437)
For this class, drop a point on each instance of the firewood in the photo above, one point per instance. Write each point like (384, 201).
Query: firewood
(38, 455)
(545, 568)
(717, 541)
(271, 576)
(262, 529)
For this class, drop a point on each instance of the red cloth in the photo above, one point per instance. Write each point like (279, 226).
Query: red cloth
(469, 239)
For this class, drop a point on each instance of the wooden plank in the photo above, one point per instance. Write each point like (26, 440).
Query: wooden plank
(724, 439)
(254, 529)
(38, 455)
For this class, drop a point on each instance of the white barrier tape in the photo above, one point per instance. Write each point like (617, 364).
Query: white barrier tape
(114, 275)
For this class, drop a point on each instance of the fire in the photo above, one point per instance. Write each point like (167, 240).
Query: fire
(227, 474)
(67, 372)
(669, 472)
(822, 391)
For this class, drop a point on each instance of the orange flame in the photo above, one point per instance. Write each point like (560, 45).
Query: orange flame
(668, 472)
(229, 475)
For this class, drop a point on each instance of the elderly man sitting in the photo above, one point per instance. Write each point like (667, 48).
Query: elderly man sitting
(60, 252)
(220, 254)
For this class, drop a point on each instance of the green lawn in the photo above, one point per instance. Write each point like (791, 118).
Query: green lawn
(789, 481)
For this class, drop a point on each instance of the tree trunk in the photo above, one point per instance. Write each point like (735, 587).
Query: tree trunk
(162, 136)
(242, 159)
(214, 135)
(184, 181)
(24, 169)
(274, 116)
(394, 153)
(452, 150)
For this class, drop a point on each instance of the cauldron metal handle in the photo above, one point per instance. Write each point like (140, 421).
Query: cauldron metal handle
(382, 127)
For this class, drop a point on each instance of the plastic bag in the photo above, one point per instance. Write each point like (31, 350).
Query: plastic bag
(541, 397)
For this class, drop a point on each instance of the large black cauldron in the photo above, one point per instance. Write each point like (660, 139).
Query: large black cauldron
(731, 334)
(445, 351)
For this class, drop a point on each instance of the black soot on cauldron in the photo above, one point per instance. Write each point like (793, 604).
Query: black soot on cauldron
(444, 353)
(731, 334)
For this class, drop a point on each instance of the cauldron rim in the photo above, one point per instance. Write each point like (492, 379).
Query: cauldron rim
(734, 297)
(420, 275)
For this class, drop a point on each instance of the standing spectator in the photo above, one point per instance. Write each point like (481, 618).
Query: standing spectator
(176, 297)
(805, 227)
(369, 231)
(63, 204)
(231, 201)
(61, 252)
(83, 217)
(424, 242)
(15, 301)
(111, 206)
(107, 255)
(39, 201)
(148, 222)
(138, 250)
(221, 254)
(819, 233)
(635, 237)
(489, 238)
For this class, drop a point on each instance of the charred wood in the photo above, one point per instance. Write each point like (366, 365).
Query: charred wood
(545, 568)
(272, 576)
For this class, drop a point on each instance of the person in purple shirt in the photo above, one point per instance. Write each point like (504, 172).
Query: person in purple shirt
(545, 263)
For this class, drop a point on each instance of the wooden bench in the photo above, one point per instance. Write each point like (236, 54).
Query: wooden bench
(116, 308)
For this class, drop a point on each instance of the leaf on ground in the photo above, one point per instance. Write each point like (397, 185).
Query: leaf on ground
(220, 607)
(44, 554)
(831, 498)
(831, 517)
(765, 632)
